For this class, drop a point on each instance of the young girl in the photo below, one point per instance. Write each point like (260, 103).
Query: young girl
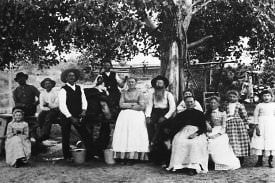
(263, 141)
(237, 126)
(17, 146)
(218, 143)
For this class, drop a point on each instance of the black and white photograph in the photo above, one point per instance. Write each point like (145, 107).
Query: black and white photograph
(137, 91)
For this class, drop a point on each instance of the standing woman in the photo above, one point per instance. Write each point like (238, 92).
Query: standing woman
(130, 139)
(237, 126)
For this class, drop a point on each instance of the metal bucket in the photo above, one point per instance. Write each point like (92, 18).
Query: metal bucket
(109, 157)
(79, 155)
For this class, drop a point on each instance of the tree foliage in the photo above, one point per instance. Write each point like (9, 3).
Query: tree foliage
(27, 28)
(110, 30)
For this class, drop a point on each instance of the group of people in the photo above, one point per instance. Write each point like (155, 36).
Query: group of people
(152, 127)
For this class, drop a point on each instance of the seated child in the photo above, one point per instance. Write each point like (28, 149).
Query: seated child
(219, 149)
(17, 145)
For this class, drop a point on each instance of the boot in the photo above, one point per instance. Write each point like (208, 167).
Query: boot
(260, 161)
(270, 161)
(241, 160)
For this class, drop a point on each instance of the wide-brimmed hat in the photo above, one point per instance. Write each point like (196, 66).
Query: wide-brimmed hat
(159, 77)
(47, 79)
(65, 73)
(21, 75)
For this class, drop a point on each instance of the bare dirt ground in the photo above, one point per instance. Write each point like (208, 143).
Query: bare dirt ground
(45, 168)
(61, 172)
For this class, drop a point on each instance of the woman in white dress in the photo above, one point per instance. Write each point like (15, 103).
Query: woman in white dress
(189, 146)
(182, 106)
(17, 145)
(130, 139)
(219, 148)
(263, 140)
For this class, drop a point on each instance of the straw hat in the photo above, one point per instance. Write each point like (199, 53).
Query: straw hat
(67, 71)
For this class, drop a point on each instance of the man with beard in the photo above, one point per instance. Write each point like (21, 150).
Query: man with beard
(161, 107)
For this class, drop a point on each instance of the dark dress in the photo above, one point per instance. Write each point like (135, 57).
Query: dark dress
(95, 117)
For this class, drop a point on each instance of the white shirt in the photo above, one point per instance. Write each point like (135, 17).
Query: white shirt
(168, 101)
(63, 98)
(48, 97)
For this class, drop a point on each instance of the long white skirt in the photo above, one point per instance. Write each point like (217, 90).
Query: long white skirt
(189, 153)
(221, 152)
(266, 141)
(130, 139)
(17, 147)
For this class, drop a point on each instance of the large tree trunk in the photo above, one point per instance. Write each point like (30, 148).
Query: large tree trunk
(172, 72)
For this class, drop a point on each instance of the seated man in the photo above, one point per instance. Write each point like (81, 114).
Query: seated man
(189, 146)
(49, 106)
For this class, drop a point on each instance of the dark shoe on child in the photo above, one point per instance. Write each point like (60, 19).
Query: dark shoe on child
(192, 172)
(259, 164)
(270, 165)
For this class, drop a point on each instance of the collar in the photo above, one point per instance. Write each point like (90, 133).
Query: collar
(72, 86)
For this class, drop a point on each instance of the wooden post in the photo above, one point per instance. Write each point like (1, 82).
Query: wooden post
(10, 88)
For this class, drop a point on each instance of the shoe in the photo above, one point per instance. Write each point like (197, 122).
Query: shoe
(192, 172)
(259, 164)
(270, 162)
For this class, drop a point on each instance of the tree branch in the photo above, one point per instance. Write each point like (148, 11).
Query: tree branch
(140, 6)
(197, 2)
(198, 42)
(201, 6)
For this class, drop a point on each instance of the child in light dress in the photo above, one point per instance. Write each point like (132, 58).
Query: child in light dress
(263, 140)
(17, 145)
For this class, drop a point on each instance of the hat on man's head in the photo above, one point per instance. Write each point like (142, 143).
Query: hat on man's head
(20, 75)
(67, 71)
(47, 79)
(159, 77)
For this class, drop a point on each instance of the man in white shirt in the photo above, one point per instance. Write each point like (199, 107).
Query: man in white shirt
(73, 106)
(161, 106)
(48, 101)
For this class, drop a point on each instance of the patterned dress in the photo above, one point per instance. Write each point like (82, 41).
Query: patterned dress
(236, 128)
(17, 145)
(219, 148)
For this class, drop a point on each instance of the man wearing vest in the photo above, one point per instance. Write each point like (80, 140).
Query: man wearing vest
(112, 81)
(73, 105)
